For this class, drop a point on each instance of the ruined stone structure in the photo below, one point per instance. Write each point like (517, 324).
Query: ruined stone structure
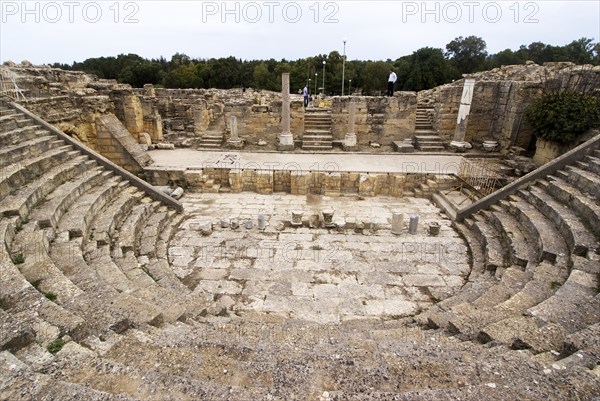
(110, 290)
(500, 98)
(73, 100)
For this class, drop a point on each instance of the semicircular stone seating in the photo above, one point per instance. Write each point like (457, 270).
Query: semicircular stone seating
(536, 266)
(91, 309)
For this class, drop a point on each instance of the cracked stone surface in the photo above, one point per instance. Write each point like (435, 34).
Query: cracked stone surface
(323, 275)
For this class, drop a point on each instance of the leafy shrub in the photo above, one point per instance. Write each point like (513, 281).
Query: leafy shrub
(50, 295)
(18, 259)
(55, 346)
(562, 117)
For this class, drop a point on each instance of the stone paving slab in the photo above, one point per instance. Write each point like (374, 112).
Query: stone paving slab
(326, 275)
(327, 162)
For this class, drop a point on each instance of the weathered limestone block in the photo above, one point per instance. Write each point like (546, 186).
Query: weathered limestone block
(165, 176)
(115, 143)
(381, 185)
(350, 182)
(235, 181)
(129, 110)
(194, 178)
(332, 184)
(546, 151)
(366, 184)
(298, 183)
(81, 132)
(201, 116)
(145, 139)
(149, 90)
(249, 180)
(282, 181)
(264, 182)
(153, 125)
(177, 193)
(315, 182)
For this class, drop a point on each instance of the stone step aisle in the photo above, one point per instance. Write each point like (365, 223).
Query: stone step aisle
(426, 138)
(211, 140)
(317, 130)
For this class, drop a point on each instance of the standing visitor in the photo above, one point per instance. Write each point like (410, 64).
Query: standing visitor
(391, 81)
(305, 93)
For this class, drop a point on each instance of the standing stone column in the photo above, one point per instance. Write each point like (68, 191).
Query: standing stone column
(413, 224)
(350, 139)
(234, 141)
(149, 90)
(286, 140)
(463, 116)
(397, 222)
(262, 223)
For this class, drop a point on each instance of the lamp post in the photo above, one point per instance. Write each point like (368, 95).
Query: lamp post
(324, 62)
(316, 79)
(309, 84)
(350, 87)
(344, 66)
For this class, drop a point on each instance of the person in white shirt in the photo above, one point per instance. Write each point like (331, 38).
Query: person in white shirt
(391, 81)
(305, 94)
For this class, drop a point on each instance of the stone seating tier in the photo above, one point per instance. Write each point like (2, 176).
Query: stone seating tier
(85, 259)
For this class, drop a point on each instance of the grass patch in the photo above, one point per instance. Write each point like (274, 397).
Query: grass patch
(55, 346)
(50, 295)
(18, 259)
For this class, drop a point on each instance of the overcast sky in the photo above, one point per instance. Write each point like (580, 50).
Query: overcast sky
(66, 31)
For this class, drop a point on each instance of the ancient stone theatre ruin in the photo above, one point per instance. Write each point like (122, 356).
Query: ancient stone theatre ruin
(166, 244)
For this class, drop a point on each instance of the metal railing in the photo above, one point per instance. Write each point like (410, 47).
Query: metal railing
(479, 176)
(8, 85)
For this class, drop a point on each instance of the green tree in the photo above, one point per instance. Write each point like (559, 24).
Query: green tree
(184, 76)
(357, 67)
(468, 54)
(541, 53)
(375, 77)
(226, 73)
(204, 71)
(141, 73)
(263, 79)
(425, 69)
(596, 54)
(580, 51)
(420, 70)
(507, 57)
(179, 59)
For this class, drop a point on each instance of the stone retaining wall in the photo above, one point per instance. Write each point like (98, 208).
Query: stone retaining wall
(378, 119)
(300, 182)
(189, 113)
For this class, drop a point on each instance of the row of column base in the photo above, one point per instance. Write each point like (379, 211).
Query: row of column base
(286, 141)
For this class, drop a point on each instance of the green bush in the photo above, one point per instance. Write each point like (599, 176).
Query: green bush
(562, 117)
(50, 295)
(55, 346)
